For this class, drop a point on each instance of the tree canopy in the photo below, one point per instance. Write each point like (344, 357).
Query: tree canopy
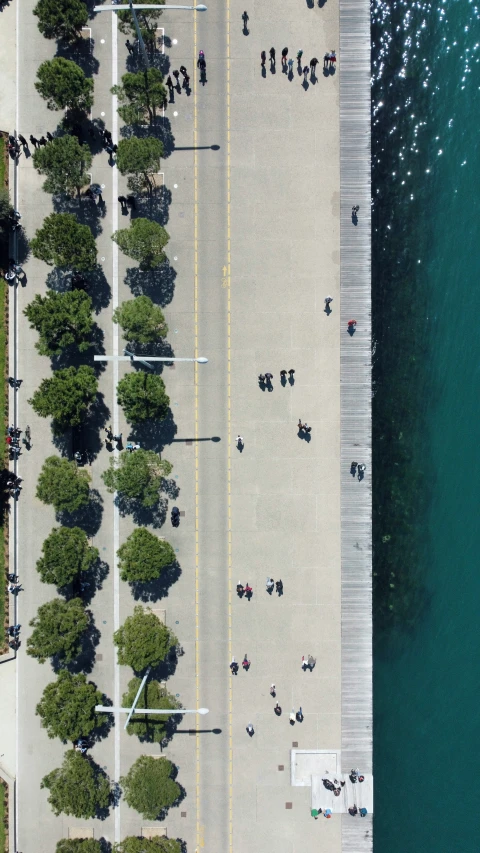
(63, 484)
(79, 787)
(144, 556)
(65, 553)
(149, 788)
(61, 19)
(5, 210)
(144, 242)
(140, 95)
(141, 320)
(133, 844)
(150, 727)
(64, 86)
(57, 630)
(78, 845)
(63, 241)
(137, 475)
(64, 161)
(140, 159)
(61, 320)
(66, 396)
(147, 20)
(142, 397)
(67, 707)
(143, 640)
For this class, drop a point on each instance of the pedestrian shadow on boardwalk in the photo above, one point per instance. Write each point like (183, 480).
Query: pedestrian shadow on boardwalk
(81, 52)
(85, 660)
(159, 588)
(158, 284)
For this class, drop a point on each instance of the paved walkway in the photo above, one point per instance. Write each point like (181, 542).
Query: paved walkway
(252, 209)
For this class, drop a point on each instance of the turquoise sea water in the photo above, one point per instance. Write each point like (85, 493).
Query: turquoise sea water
(426, 245)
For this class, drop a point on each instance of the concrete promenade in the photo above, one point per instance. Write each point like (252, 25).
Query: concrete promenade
(256, 198)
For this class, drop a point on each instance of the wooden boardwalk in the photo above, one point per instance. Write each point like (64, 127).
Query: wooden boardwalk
(355, 373)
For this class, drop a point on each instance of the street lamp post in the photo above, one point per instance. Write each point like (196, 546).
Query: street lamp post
(130, 356)
(132, 7)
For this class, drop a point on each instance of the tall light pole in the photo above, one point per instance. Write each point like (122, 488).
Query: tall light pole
(132, 7)
(130, 356)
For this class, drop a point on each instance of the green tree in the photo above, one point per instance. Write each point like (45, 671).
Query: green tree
(78, 787)
(78, 845)
(141, 320)
(147, 19)
(5, 211)
(63, 85)
(140, 95)
(62, 320)
(61, 19)
(67, 707)
(140, 159)
(143, 640)
(137, 475)
(142, 396)
(144, 556)
(63, 484)
(57, 630)
(150, 727)
(66, 553)
(66, 396)
(64, 242)
(64, 161)
(148, 786)
(144, 242)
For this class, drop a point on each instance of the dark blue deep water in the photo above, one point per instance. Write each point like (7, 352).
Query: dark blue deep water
(426, 316)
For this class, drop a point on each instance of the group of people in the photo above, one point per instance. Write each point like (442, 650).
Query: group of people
(266, 378)
(329, 62)
(176, 74)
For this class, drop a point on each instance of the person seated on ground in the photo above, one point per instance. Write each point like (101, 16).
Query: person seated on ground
(353, 810)
(363, 812)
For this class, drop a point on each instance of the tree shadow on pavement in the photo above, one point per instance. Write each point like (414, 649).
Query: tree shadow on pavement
(88, 517)
(158, 284)
(81, 52)
(143, 516)
(154, 206)
(158, 588)
(155, 435)
(86, 211)
(160, 129)
(97, 287)
(23, 246)
(87, 584)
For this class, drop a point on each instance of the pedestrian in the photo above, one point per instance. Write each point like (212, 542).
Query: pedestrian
(129, 46)
(239, 441)
(234, 666)
(250, 730)
(42, 140)
(49, 136)
(248, 591)
(272, 690)
(352, 325)
(272, 55)
(290, 66)
(279, 587)
(12, 139)
(326, 57)
(107, 136)
(307, 428)
(299, 715)
(300, 425)
(269, 377)
(355, 209)
(332, 59)
(311, 661)
(131, 201)
(245, 20)
(263, 58)
(277, 710)
(313, 64)
(261, 378)
(327, 813)
(246, 663)
(284, 55)
(169, 83)
(269, 585)
(23, 140)
(109, 150)
(176, 74)
(292, 717)
(240, 589)
(328, 300)
(305, 73)
(34, 141)
(183, 71)
(283, 375)
(123, 201)
(299, 58)
(291, 373)
(186, 81)
(361, 471)
(353, 810)
(304, 663)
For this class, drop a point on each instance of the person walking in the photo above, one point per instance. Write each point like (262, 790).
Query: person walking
(263, 58)
(283, 375)
(277, 710)
(49, 136)
(261, 378)
(307, 428)
(245, 21)
(332, 59)
(311, 661)
(299, 58)
(129, 46)
(272, 690)
(131, 202)
(352, 325)
(170, 84)
(239, 441)
(279, 587)
(305, 73)
(299, 715)
(269, 377)
(284, 55)
(34, 141)
(328, 300)
(234, 666)
(176, 74)
(300, 425)
(246, 663)
(42, 140)
(23, 140)
(269, 585)
(290, 66)
(123, 201)
(250, 730)
(248, 591)
(291, 373)
(292, 717)
(272, 55)
(326, 57)
(240, 589)
(313, 64)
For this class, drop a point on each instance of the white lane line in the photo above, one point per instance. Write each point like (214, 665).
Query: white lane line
(116, 517)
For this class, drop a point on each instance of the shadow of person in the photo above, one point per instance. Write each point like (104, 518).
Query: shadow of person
(354, 218)
(327, 310)
(264, 72)
(313, 78)
(283, 381)
(305, 84)
(273, 67)
(332, 69)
